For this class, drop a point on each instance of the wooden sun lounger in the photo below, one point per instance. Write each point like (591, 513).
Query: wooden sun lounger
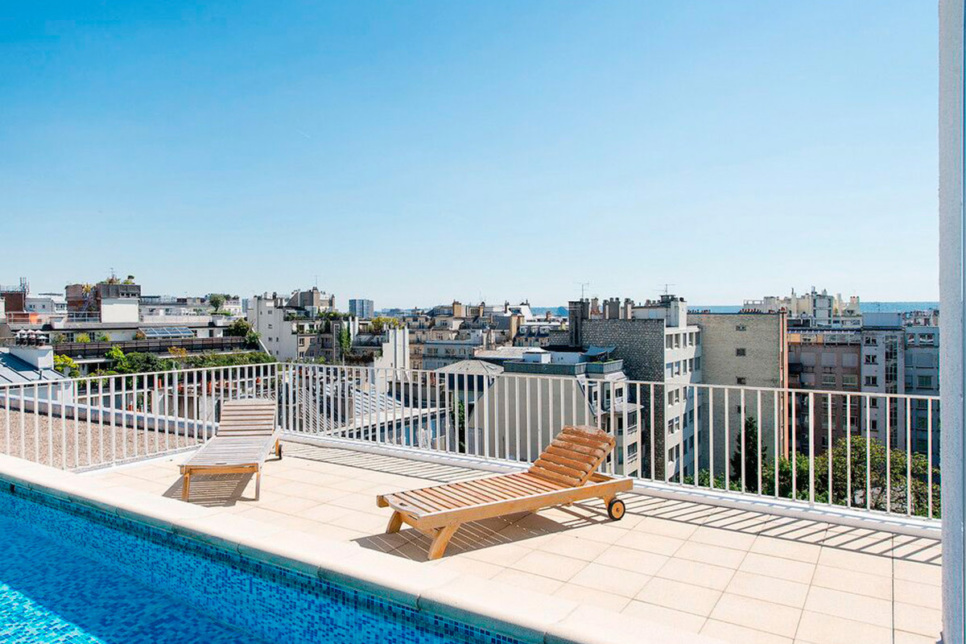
(247, 432)
(564, 473)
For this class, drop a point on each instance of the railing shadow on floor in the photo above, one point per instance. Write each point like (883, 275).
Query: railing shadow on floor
(213, 490)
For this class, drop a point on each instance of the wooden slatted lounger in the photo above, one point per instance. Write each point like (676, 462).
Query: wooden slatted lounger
(247, 432)
(564, 473)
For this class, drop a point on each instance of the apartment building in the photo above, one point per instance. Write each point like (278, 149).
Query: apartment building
(824, 360)
(360, 308)
(656, 343)
(538, 333)
(883, 372)
(439, 353)
(739, 351)
(292, 332)
(517, 414)
(819, 309)
(922, 378)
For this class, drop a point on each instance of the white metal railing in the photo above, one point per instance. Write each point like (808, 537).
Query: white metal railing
(872, 452)
(875, 452)
(102, 420)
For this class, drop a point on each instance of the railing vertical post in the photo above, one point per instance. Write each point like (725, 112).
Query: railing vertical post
(667, 476)
(505, 386)
(526, 382)
(759, 457)
(831, 448)
(794, 454)
(63, 427)
(774, 426)
(811, 448)
(727, 442)
(75, 398)
(744, 486)
(651, 430)
(485, 399)
(696, 432)
(888, 436)
(848, 450)
(908, 402)
(113, 387)
(929, 456)
(868, 453)
(539, 385)
(516, 415)
(100, 419)
(711, 437)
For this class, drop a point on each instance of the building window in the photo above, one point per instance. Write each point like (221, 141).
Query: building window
(924, 382)
(742, 381)
(871, 381)
(850, 380)
(828, 380)
(740, 352)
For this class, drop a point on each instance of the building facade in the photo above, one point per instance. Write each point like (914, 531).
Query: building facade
(360, 308)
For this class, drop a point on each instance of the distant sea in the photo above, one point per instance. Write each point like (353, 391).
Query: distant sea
(867, 307)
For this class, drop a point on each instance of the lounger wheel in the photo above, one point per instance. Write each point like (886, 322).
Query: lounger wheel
(616, 509)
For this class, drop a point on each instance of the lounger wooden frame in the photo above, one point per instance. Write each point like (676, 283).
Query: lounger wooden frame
(563, 474)
(247, 432)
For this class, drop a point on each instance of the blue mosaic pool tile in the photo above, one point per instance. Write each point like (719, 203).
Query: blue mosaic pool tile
(221, 594)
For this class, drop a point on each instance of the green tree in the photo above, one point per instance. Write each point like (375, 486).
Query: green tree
(240, 328)
(216, 300)
(457, 415)
(345, 342)
(118, 361)
(66, 365)
(83, 338)
(103, 338)
(381, 323)
(750, 457)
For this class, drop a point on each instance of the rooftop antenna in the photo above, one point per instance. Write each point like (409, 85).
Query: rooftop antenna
(583, 288)
(667, 289)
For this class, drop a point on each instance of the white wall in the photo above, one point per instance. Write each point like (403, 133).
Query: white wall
(120, 310)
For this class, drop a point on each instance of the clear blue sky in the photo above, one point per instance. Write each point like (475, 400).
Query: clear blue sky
(416, 152)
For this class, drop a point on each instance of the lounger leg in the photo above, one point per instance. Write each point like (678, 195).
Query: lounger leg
(443, 535)
(258, 484)
(395, 522)
(185, 485)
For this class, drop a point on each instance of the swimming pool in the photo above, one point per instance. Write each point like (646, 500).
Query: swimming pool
(73, 573)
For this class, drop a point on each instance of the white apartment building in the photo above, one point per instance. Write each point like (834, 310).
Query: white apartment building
(49, 304)
(821, 309)
(517, 413)
(883, 368)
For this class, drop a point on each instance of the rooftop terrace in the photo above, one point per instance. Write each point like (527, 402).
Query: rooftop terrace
(735, 575)
(717, 557)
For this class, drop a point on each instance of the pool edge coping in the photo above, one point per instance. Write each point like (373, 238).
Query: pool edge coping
(518, 613)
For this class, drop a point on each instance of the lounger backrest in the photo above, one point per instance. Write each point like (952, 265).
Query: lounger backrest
(247, 417)
(574, 455)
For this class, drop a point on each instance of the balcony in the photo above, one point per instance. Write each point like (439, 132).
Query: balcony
(737, 556)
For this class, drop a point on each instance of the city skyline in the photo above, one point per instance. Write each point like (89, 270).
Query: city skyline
(417, 149)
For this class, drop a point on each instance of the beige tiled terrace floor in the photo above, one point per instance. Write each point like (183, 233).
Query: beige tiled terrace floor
(736, 575)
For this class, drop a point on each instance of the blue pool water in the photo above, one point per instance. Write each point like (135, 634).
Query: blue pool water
(69, 573)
